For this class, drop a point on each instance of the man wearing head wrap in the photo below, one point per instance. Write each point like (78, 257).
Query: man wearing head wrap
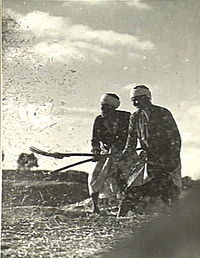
(109, 135)
(156, 130)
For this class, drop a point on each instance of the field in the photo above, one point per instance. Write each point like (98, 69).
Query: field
(45, 217)
(51, 217)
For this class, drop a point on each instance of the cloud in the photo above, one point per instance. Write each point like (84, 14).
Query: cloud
(57, 50)
(190, 135)
(43, 25)
(153, 88)
(128, 87)
(190, 139)
(108, 38)
(189, 159)
(191, 113)
(58, 37)
(138, 4)
(189, 131)
(66, 50)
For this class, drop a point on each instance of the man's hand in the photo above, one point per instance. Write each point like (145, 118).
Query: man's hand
(97, 155)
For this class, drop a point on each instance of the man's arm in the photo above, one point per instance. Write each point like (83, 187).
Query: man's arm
(95, 142)
(173, 140)
(172, 132)
(131, 143)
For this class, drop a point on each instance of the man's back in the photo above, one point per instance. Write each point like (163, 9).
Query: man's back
(161, 127)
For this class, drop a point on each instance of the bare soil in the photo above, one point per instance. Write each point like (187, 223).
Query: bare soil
(34, 231)
(44, 217)
(51, 217)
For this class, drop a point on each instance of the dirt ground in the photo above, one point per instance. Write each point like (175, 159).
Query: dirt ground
(36, 231)
(34, 227)
(52, 218)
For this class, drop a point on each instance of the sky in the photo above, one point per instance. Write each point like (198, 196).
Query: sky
(75, 51)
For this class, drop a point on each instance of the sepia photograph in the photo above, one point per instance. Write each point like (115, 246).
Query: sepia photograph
(100, 137)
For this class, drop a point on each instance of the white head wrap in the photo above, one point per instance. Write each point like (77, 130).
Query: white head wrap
(110, 100)
(141, 90)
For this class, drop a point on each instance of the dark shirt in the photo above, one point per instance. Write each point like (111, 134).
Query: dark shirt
(157, 132)
(111, 136)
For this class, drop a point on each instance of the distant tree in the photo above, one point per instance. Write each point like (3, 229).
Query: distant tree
(26, 161)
